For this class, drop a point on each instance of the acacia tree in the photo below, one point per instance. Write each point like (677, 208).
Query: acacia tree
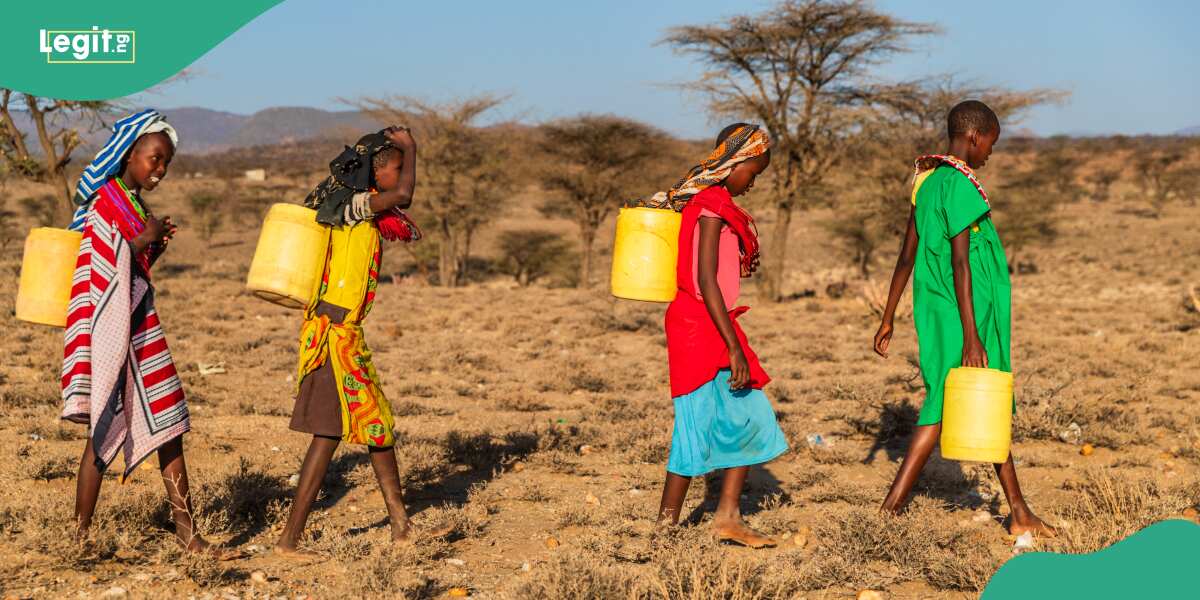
(801, 69)
(56, 123)
(1164, 174)
(460, 170)
(596, 162)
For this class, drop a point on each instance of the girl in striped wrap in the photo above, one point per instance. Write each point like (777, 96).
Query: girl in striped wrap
(118, 377)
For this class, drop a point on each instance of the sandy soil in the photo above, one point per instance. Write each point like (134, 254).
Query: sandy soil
(536, 423)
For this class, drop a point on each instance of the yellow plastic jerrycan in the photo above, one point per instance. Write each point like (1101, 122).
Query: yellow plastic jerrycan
(290, 256)
(977, 415)
(46, 272)
(644, 254)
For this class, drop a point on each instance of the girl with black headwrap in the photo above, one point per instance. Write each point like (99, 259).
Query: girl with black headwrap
(339, 396)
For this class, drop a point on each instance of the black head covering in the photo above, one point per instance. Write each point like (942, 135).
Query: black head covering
(350, 173)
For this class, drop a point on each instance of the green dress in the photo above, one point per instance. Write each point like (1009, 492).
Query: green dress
(946, 204)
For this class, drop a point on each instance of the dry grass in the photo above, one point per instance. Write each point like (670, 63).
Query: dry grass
(1108, 507)
(865, 548)
(528, 414)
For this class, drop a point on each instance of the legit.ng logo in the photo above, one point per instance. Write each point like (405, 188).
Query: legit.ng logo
(84, 46)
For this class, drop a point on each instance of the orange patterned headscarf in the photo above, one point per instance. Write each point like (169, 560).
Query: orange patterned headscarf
(744, 143)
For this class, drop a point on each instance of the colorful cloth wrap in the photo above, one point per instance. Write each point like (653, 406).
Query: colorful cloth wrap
(743, 144)
(118, 375)
(108, 161)
(695, 348)
(351, 173)
(349, 280)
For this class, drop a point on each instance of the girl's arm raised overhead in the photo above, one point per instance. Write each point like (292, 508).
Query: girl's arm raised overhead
(400, 196)
(714, 301)
(904, 267)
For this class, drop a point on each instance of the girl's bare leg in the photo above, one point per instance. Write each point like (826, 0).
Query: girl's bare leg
(383, 460)
(1022, 518)
(87, 490)
(924, 438)
(312, 473)
(674, 491)
(174, 473)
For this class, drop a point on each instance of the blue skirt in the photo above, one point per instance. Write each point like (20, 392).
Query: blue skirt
(718, 428)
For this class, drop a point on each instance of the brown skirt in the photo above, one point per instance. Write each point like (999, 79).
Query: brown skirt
(318, 410)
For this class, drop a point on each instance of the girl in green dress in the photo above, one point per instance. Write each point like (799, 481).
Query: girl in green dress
(961, 292)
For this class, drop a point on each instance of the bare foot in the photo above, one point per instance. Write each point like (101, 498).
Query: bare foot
(1028, 523)
(738, 532)
(296, 554)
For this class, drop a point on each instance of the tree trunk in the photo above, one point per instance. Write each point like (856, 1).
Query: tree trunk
(64, 211)
(587, 234)
(55, 170)
(776, 258)
(465, 258)
(446, 267)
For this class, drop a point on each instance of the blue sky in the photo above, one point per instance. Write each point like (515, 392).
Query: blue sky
(1131, 67)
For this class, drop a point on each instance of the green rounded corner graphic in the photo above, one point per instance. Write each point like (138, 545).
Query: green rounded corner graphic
(1156, 562)
(97, 51)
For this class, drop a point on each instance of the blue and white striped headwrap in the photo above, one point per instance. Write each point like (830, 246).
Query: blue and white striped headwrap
(126, 131)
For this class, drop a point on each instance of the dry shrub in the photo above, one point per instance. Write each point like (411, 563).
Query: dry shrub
(711, 573)
(38, 463)
(567, 436)
(577, 514)
(577, 575)
(841, 491)
(521, 404)
(629, 318)
(244, 499)
(1047, 416)
(559, 461)
(643, 442)
(466, 521)
(130, 523)
(587, 381)
(1108, 508)
(421, 463)
(205, 570)
(388, 573)
(54, 432)
(862, 547)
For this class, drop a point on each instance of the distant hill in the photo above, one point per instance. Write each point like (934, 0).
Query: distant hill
(202, 130)
(1194, 130)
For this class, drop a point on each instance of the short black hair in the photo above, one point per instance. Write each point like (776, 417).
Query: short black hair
(382, 157)
(971, 115)
(728, 131)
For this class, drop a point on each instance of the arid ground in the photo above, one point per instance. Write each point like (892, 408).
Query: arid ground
(536, 421)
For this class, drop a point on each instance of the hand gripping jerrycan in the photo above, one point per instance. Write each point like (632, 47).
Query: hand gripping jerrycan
(644, 254)
(977, 415)
(290, 256)
(47, 267)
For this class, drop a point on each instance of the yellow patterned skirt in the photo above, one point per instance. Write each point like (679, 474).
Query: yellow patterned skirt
(349, 281)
